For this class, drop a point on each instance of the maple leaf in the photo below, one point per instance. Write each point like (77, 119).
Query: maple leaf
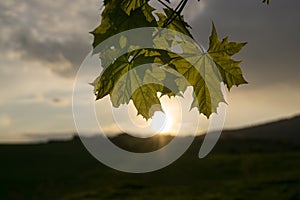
(173, 22)
(200, 73)
(198, 69)
(221, 52)
(125, 81)
(128, 6)
(115, 20)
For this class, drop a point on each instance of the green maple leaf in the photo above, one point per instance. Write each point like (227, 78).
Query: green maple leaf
(200, 74)
(115, 20)
(177, 23)
(198, 69)
(221, 52)
(125, 82)
(131, 5)
(145, 96)
(147, 11)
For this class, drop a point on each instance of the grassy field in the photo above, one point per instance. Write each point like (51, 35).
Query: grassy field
(236, 169)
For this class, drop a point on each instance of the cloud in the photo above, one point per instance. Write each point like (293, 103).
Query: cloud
(40, 40)
(63, 57)
(54, 33)
(53, 99)
(31, 83)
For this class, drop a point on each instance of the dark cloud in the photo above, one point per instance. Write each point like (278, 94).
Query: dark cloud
(42, 31)
(64, 57)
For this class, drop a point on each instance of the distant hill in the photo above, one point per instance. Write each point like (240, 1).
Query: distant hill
(237, 168)
(285, 129)
(288, 129)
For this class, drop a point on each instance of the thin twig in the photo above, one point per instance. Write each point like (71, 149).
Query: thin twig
(164, 4)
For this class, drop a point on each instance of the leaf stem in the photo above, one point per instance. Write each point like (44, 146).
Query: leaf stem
(164, 4)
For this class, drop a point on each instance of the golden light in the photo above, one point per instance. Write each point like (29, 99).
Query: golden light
(162, 123)
(167, 122)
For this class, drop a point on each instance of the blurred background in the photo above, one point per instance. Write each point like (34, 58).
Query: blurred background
(42, 45)
(44, 42)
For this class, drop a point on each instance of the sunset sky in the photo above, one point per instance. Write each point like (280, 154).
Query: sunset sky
(43, 43)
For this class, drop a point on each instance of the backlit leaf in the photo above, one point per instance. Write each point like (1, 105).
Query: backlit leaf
(179, 63)
(221, 52)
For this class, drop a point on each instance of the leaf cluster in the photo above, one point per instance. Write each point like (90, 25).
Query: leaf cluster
(123, 80)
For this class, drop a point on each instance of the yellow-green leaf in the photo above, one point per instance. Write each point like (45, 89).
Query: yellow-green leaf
(221, 52)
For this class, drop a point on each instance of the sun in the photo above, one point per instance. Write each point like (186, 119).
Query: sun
(162, 123)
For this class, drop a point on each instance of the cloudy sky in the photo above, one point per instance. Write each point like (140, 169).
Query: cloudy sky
(42, 44)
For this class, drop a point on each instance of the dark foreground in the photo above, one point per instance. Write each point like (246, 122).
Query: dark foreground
(236, 169)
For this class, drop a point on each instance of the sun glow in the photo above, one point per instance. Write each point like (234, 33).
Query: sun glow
(162, 123)
(168, 121)
(176, 118)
